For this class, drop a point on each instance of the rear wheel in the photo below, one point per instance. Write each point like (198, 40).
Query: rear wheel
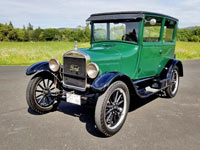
(112, 108)
(174, 83)
(39, 94)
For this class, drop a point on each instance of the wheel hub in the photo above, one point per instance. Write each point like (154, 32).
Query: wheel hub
(46, 92)
(115, 107)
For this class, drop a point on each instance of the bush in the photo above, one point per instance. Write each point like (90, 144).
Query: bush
(189, 35)
(81, 34)
(195, 38)
(9, 33)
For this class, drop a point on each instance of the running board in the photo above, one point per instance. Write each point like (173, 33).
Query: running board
(152, 88)
(146, 92)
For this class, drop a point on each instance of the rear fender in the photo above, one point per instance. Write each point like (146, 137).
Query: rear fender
(170, 66)
(178, 63)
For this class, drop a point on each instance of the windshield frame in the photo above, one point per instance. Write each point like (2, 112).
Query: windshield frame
(108, 31)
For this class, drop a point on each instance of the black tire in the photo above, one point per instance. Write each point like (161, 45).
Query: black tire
(116, 96)
(36, 103)
(172, 90)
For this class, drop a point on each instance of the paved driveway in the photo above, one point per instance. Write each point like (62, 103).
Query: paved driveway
(154, 124)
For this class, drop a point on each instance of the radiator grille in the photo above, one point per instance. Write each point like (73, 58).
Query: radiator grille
(75, 71)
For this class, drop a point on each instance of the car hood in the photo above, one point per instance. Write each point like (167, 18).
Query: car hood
(106, 56)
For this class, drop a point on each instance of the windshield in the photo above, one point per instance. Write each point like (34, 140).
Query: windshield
(123, 31)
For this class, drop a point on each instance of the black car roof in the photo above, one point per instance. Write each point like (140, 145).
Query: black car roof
(124, 15)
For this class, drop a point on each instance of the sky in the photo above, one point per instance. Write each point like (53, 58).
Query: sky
(72, 13)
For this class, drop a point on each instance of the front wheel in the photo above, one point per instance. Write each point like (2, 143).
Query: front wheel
(39, 94)
(112, 108)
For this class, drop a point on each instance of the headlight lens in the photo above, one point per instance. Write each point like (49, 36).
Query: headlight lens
(54, 65)
(92, 70)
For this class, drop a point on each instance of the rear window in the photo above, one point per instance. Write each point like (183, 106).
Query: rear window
(169, 30)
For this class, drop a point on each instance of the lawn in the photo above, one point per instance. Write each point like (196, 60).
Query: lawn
(26, 53)
(188, 50)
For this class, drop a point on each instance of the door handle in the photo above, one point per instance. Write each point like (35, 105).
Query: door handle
(161, 51)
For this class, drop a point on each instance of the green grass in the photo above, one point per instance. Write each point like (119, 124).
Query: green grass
(187, 50)
(26, 53)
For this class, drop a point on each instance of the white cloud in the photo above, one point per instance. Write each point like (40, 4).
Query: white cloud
(71, 13)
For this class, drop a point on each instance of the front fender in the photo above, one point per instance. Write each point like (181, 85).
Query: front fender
(105, 80)
(38, 67)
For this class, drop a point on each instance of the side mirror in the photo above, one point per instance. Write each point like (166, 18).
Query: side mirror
(153, 21)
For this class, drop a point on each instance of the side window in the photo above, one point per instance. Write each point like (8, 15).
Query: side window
(131, 31)
(126, 31)
(152, 30)
(169, 30)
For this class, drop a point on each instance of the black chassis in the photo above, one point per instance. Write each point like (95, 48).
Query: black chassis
(102, 82)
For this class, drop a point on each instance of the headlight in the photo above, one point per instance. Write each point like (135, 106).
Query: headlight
(92, 70)
(54, 65)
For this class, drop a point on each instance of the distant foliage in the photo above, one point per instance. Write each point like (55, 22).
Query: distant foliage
(80, 34)
(189, 35)
(9, 33)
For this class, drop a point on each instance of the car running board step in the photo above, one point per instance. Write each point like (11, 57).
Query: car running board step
(146, 92)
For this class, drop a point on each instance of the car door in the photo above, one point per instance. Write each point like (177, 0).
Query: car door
(168, 46)
(151, 47)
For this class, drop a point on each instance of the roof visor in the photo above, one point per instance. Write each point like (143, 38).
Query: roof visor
(126, 15)
(114, 17)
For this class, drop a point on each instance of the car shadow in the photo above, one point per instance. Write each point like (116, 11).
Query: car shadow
(86, 113)
(137, 102)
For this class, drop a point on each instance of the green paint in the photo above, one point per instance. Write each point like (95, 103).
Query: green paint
(118, 57)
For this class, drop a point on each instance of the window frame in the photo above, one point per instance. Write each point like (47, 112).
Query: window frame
(108, 31)
(174, 32)
(161, 29)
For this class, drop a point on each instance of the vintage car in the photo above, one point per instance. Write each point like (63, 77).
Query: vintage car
(131, 55)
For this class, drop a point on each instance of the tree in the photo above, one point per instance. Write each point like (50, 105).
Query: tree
(87, 32)
(68, 35)
(36, 34)
(10, 24)
(81, 36)
(30, 27)
(41, 36)
(24, 28)
(195, 38)
(197, 31)
(20, 35)
(26, 36)
(49, 34)
(184, 35)
(12, 35)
